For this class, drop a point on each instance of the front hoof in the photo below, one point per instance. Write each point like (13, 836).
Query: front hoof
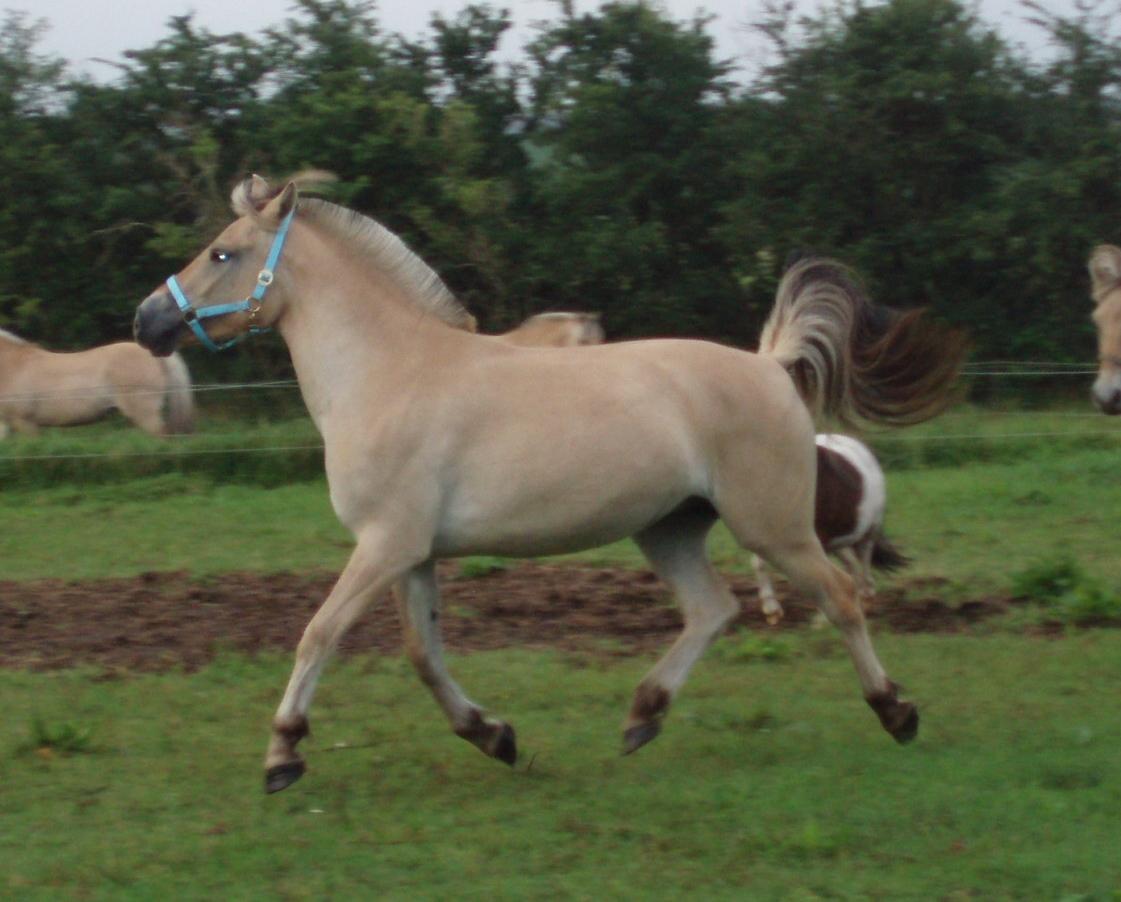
(900, 719)
(283, 775)
(491, 737)
(908, 724)
(637, 736)
(506, 746)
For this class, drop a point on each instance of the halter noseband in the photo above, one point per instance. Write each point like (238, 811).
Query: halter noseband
(194, 317)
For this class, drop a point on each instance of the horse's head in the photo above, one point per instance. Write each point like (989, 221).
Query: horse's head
(1105, 284)
(239, 264)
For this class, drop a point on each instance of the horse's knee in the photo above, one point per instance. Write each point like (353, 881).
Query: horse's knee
(315, 641)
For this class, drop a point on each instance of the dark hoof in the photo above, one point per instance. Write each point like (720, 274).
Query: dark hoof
(900, 719)
(283, 775)
(908, 727)
(506, 747)
(637, 736)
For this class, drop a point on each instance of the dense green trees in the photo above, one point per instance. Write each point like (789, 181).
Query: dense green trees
(616, 167)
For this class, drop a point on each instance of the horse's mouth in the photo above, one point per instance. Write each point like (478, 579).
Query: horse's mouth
(158, 325)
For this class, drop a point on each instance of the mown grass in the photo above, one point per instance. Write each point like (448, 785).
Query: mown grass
(976, 525)
(771, 780)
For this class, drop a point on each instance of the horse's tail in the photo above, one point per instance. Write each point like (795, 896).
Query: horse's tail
(852, 360)
(179, 415)
(885, 556)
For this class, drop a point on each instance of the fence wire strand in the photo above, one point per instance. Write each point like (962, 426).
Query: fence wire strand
(984, 368)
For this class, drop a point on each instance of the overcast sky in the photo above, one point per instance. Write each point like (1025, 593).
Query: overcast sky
(81, 30)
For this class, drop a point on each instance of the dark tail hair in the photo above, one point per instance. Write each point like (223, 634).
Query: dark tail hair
(853, 360)
(885, 556)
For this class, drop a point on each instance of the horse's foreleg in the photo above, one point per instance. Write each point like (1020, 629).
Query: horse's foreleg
(835, 593)
(676, 551)
(772, 610)
(418, 604)
(374, 566)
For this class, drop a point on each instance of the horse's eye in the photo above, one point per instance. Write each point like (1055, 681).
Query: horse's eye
(220, 256)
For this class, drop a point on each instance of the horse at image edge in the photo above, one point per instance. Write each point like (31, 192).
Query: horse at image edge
(52, 388)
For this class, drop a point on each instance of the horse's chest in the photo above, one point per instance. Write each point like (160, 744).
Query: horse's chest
(840, 488)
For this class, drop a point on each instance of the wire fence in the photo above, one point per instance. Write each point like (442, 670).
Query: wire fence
(1003, 369)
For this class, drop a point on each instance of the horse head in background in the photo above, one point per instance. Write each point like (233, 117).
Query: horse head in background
(49, 388)
(557, 330)
(1105, 288)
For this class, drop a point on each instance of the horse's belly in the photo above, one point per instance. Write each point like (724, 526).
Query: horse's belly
(554, 519)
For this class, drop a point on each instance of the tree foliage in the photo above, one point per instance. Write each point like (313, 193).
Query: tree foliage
(616, 166)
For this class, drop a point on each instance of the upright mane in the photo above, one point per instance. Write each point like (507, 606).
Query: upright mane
(390, 254)
(14, 339)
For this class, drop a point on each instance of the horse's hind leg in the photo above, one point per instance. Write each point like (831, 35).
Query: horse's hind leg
(858, 562)
(835, 593)
(418, 603)
(675, 548)
(772, 610)
(144, 406)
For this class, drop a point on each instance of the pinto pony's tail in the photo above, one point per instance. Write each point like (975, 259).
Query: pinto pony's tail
(179, 413)
(885, 556)
(852, 360)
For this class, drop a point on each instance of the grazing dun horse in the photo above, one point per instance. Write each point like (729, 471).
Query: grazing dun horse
(849, 507)
(557, 330)
(48, 388)
(440, 442)
(1105, 288)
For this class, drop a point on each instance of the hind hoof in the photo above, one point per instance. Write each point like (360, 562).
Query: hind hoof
(908, 727)
(283, 775)
(640, 734)
(506, 746)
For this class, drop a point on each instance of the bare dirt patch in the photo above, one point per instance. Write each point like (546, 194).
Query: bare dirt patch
(157, 621)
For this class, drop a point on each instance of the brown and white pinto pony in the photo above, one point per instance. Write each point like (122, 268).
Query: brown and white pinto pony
(849, 505)
(440, 442)
(51, 388)
(1105, 288)
(557, 330)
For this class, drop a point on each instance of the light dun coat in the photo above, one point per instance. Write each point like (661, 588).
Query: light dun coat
(1105, 288)
(557, 330)
(48, 388)
(441, 443)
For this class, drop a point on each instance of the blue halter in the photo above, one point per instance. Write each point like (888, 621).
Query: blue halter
(194, 318)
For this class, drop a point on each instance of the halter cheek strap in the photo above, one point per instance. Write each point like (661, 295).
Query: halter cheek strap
(193, 317)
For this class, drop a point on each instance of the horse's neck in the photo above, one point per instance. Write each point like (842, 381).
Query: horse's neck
(348, 344)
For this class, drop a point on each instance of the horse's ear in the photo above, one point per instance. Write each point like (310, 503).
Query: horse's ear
(1105, 269)
(281, 205)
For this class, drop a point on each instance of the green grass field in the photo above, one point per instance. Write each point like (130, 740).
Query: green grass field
(772, 780)
(986, 509)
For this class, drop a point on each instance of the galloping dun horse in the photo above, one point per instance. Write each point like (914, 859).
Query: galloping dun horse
(440, 442)
(1105, 288)
(557, 330)
(49, 388)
